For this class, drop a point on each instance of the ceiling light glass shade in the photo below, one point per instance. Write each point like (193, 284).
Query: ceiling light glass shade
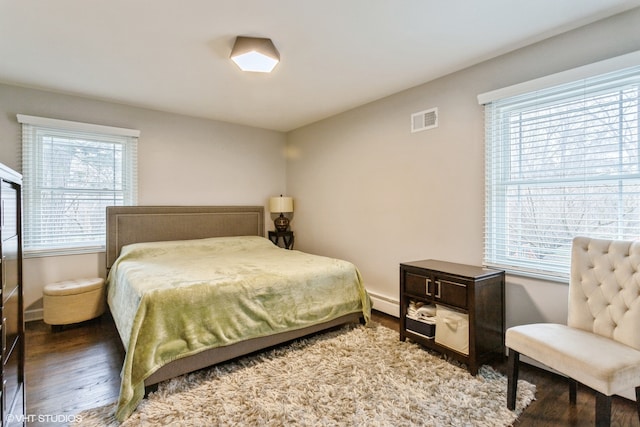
(255, 54)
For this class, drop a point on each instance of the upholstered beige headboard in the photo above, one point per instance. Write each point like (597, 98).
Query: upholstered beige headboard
(136, 224)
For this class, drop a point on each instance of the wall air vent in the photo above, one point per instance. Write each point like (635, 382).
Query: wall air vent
(423, 120)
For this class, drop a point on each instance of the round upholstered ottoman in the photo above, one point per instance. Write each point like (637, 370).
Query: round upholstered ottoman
(73, 301)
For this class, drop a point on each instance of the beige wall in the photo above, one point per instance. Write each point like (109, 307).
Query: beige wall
(181, 161)
(365, 188)
(368, 190)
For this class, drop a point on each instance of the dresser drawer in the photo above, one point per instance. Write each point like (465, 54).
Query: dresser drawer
(8, 210)
(10, 322)
(452, 292)
(12, 380)
(9, 266)
(417, 285)
(441, 289)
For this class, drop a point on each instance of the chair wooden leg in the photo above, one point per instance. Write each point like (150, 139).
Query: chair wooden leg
(573, 389)
(638, 401)
(603, 410)
(512, 378)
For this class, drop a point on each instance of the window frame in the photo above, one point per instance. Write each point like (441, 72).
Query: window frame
(496, 185)
(88, 137)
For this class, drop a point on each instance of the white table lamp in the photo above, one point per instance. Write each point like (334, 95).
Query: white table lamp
(281, 205)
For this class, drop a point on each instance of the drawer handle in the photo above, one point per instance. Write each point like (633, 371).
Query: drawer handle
(438, 289)
(427, 282)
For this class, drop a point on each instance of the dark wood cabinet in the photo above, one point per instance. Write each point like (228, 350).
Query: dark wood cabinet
(286, 236)
(12, 404)
(476, 293)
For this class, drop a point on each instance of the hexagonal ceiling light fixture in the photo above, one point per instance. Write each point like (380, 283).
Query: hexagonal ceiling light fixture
(255, 54)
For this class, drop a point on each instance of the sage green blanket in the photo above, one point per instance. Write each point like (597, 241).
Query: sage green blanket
(174, 299)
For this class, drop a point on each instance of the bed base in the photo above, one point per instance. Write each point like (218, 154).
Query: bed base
(217, 355)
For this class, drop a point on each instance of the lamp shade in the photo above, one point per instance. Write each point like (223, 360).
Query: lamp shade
(255, 54)
(281, 204)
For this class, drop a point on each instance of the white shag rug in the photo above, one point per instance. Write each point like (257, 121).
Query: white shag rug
(354, 376)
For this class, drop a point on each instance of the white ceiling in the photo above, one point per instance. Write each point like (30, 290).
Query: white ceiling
(335, 54)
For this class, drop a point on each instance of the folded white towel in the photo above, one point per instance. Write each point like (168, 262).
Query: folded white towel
(420, 310)
(428, 310)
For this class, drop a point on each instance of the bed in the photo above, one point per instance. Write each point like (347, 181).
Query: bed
(189, 287)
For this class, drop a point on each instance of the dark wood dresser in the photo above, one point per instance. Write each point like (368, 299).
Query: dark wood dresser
(12, 404)
(473, 293)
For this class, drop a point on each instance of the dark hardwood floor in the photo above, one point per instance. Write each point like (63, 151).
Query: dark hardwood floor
(79, 368)
(72, 370)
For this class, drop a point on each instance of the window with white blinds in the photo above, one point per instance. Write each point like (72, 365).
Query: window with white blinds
(71, 173)
(561, 162)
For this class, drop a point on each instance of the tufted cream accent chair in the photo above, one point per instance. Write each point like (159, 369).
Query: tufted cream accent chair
(600, 345)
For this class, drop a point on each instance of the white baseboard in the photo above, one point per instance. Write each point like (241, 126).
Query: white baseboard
(33, 315)
(385, 304)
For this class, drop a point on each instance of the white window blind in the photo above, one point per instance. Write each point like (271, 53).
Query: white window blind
(71, 173)
(561, 162)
